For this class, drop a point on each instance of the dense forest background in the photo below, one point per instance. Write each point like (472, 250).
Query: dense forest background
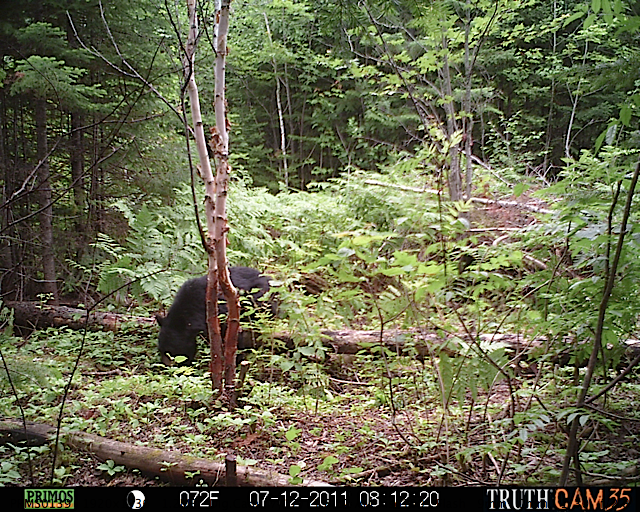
(360, 131)
(316, 90)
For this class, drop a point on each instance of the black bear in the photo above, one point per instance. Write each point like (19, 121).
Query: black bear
(187, 315)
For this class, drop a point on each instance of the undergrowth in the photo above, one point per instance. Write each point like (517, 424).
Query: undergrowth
(438, 393)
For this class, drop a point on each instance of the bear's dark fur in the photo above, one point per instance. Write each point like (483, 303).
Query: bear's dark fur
(187, 315)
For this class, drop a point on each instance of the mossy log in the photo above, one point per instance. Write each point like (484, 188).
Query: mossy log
(169, 466)
(35, 315)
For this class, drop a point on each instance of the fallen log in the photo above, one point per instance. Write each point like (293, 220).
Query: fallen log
(481, 200)
(170, 466)
(35, 315)
(400, 341)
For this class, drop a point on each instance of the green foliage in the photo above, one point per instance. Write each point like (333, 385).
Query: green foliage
(110, 468)
(8, 472)
(587, 225)
(46, 77)
(553, 76)
(160, 239)
(476, 368)
(163, 245)
(292, 228)
(25, 373)
(44, 73)
(371, 120)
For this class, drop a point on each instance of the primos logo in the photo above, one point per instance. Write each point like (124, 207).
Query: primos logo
(49, 498)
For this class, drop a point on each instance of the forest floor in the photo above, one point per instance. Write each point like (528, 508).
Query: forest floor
(361, 420)
(415, 447)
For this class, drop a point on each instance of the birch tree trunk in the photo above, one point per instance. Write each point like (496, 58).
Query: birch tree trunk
(216, 189)
(220, 141)
(546, 163)
(283, 144)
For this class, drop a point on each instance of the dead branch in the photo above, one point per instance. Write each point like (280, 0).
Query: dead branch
(481, 200)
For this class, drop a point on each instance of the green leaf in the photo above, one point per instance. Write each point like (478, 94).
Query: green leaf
(394, 271)
(625, 115)
(328, 463)
(617, 7)
(362, 240)
(348, 471)
(436, 285)
(292, 433)
(572, 18)
(589, 21)
(403, 259)
(345, 252)
(612, 130)
(599, 141)
(430, 270)
(348, 278)
(519, 189)
(307, 351)
(595, 5)
(523, 434)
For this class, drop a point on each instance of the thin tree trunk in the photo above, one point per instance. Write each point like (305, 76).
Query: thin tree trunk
(454, 178)
(572, 452)
(468, 119)
(283, 141)
(301, 134)
(574, 108)
(94, 189)
(547, 144)
(216, 190)
(6, 259)
(291, 143)
(13, 281)
(221, 151)
(213, 324)
(76, 161)
(46, 217)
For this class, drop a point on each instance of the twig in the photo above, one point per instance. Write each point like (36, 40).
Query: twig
(630, 367)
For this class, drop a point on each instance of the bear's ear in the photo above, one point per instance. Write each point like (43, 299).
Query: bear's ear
(160, 319)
